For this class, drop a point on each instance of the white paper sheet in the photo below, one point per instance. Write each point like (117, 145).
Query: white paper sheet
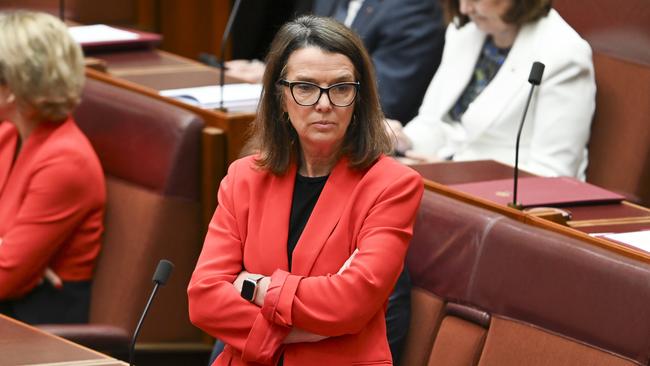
(235, 96)
(638, 239)
(100, 33)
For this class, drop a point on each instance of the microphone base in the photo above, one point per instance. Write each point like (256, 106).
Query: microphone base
(553, 214)
(516, 205)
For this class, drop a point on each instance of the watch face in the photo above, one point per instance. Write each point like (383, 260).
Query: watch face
(248, 289)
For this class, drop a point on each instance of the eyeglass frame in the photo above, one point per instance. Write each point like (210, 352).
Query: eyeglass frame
(326, 90)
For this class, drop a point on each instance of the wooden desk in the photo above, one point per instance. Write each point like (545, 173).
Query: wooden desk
(21, 344)
(619, 217)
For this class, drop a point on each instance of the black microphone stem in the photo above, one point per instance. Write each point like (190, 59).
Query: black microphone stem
(139, 326)
(224, 39)
(62, 10)
(521, 127)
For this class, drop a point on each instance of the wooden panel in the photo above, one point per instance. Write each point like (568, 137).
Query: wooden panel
(139, 14)
(190, 27)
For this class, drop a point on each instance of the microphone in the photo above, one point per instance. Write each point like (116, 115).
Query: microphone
(160, 278)
(224, 39)
(221, 63)
(535, 78)
(62, 10)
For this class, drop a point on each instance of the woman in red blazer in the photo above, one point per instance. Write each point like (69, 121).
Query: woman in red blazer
(311, 232)
(51, 183)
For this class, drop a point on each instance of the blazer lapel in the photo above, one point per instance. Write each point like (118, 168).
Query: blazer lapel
(325, 217)
(274, 226)
(511, 77)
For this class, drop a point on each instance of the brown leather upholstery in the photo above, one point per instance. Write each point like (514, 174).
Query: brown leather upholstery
(143, 141)
(615, 28)
(578, 303)
(427, 311)
(514, 343)
(458, 343)
(150, 152)
(619, 147)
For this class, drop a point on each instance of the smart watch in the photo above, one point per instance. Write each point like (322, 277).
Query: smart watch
(249, 287)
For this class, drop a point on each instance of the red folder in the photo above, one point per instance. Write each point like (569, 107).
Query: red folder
(541, 191)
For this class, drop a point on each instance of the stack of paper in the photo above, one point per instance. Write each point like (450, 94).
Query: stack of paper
(104, 37)
(100, 33)
(638, 239)
(236, 97)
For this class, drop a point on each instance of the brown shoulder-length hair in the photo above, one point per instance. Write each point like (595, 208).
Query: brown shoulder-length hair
(521, 12)
(275, 140)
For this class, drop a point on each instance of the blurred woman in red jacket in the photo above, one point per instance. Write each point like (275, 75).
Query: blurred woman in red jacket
(52, 192)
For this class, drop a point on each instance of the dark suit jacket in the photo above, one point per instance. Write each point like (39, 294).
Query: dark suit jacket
(405, 40)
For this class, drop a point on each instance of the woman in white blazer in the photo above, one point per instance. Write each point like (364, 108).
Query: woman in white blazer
(468, 114)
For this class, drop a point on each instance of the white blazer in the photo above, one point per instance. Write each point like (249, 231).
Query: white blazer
(556, 131)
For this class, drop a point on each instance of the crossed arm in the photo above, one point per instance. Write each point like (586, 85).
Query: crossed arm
(296, 335)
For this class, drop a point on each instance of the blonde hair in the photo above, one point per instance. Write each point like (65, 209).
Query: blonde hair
(40, 63)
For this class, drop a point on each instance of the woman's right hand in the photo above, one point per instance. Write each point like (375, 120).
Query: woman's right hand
(347, 263)
(50, 276)
(250, 71)
(302, 336)
(401, 142)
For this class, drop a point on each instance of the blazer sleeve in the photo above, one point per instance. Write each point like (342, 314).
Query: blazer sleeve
(214, 304)
(406, 53)
(57, 201)
(563, 113)
(343, 303)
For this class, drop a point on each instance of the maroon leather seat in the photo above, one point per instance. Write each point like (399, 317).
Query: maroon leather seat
(490, 290)
(150, 152)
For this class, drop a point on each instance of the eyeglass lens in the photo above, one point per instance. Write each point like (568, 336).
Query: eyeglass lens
(340, 95)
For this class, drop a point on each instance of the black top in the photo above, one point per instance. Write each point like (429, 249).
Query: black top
(305, 194)
(48, 305)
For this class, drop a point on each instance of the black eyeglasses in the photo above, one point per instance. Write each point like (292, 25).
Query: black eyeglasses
(307, 94)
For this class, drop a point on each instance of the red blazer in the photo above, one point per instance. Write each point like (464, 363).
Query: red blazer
(372, 210)
(52, 201)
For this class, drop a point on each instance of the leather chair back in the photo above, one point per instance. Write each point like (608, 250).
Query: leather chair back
(619, 147)
(489, 290)
(151, 155)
